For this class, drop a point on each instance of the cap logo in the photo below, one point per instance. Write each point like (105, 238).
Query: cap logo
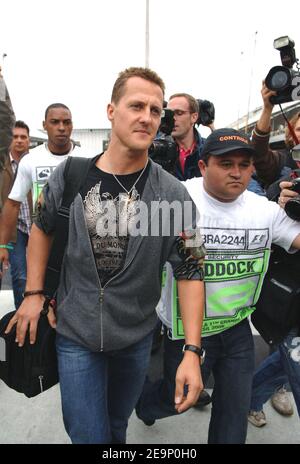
(233, 137)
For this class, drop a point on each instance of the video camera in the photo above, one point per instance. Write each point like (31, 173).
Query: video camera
(206, 112)
(292, 206)
(284, 79)
(167, 121)
(164, 149)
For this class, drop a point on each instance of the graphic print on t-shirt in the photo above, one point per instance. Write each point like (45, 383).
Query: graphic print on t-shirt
(42, 174)
(234, 268)
(107, 221)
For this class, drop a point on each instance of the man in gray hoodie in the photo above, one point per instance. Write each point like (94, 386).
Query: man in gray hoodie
(111, 280)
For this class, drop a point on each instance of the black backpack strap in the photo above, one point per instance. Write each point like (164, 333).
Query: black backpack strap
(75, 173)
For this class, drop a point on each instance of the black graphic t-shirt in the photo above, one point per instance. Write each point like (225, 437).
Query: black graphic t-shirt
(105, 203)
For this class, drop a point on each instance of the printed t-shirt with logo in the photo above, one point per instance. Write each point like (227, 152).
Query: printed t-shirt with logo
(106, 203)
(34, 170)
(237, 236)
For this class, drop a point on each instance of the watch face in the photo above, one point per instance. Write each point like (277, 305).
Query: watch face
(202, 356)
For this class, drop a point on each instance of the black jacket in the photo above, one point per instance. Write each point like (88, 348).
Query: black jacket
(191, 168)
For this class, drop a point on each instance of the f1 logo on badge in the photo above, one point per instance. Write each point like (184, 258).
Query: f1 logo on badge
(258, 238)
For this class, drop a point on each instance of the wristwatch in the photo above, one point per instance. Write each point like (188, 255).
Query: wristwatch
(195, 349)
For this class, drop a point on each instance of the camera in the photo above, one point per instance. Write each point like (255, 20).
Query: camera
(284, 79)
(164, 149)
(292, 207)
(167, 121)
(296, 152)
(206, 112)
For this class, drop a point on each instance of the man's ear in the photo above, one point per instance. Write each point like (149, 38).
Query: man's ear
(194, 117)
(110, 111)
(202, 166)
(44, 125)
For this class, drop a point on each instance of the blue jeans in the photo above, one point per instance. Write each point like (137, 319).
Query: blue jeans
(158, 398)
(230, 357)
(280, 367)
(99, 390)
(17, 259)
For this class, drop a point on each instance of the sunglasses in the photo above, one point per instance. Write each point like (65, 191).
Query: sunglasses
(180, 112)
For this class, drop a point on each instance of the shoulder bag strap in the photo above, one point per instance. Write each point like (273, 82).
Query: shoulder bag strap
(75, 173)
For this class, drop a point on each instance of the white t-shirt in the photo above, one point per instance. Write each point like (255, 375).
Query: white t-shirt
(34, 170)
(238, 237)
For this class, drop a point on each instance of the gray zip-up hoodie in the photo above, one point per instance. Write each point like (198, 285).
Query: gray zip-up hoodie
(123, 311)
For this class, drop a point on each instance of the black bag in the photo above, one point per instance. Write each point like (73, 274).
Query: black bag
(278, 308)
(32, 369)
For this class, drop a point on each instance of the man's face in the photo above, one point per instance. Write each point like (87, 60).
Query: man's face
(20, 143)
(136, 117)
(226, 176)
(184, 119)
(59, 127)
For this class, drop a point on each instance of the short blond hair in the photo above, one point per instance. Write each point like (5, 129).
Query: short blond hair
(193, 104)
(145, 73)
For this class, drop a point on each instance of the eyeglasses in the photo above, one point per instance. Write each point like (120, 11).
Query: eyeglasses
(180, 112)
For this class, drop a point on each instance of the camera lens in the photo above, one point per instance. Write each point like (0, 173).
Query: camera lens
(278, 78)
(292, 208)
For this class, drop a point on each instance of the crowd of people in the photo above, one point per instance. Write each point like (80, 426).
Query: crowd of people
(197, 285)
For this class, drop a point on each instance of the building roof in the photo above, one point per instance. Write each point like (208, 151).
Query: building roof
(252, 118)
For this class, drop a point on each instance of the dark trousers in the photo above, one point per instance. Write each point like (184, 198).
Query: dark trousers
(157, 399)
(230, 357)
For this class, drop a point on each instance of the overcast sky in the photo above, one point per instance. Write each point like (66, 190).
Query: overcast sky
(71, 51)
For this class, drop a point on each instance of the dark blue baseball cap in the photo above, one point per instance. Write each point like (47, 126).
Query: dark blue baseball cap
(225, 140)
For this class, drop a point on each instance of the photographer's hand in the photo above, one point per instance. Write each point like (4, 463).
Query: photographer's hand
(266, 94)
(264, 122)
(286, 194)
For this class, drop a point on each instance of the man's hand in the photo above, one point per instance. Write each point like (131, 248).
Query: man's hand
(266, 94)
(264, 122)
(27, 316)
(286, 194)
(188, 373)
(4, 261)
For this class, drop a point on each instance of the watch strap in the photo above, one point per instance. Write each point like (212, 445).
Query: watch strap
(195, 349)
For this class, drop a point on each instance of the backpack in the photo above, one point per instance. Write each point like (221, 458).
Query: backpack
(32, 369)
(278, 307)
